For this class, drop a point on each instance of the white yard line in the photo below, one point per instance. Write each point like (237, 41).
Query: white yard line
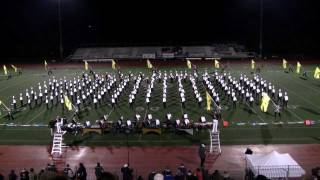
(12, 85)
(297, 95)
(315, 90)
(38, 114)
(255, 112)
(296, 115)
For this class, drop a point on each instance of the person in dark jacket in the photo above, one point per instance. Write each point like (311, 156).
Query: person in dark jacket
(24, 174)
(12, 175)
(82, 172)
(182, 169)
(126, 172)
(151, 175)
(179, 175)
(190, 176)
(99, 171)
(202, 154)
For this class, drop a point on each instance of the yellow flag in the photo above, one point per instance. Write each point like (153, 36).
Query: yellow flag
(317, 73)
(216, 64)
(14, 68)
(209, 99)
(5, 70)
(45, 65)
(253, 63)
(298, 67)
(67, 102)
(113, 64)
(86, 66)
(264, 102)
(284, 63)
(189, 64)
(149, 65)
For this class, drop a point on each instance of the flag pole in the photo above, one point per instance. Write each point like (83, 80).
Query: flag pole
(8, 109)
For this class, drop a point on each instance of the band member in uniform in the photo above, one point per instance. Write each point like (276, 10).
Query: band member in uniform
(285, 100)
(29, 103)
(277, 111)
(14, 102)
(62, 102)
(148, 102)
(164, 101)
(47, 102)
(21, 100)
(234, 102)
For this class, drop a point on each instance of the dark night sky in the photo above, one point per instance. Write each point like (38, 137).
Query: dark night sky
(30, 27)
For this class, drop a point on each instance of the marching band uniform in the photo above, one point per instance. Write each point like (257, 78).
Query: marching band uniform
(21, 100)
(14, 102)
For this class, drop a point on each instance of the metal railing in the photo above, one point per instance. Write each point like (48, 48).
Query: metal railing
(280, 171)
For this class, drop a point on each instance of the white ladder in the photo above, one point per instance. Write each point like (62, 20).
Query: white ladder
(57, 144)
(215, 142)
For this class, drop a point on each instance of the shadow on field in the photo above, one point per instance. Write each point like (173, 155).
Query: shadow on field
(266, 135)
(310, 110)
(81, 140)
(316, 138)
(303, 78)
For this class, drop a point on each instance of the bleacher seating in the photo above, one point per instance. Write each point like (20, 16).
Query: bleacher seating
(215, 50)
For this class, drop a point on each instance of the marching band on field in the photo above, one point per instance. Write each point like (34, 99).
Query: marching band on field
(97, 90)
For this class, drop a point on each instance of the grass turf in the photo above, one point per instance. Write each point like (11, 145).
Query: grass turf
(304, 104)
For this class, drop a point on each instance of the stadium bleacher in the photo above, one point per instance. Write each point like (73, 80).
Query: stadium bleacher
(157, 52)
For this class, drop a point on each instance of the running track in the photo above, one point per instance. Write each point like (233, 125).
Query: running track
(145, 159)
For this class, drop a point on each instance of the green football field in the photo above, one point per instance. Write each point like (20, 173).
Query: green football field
(245, 126)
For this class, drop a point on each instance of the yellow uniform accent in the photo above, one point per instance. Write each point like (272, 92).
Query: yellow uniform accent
(149, 65)
(189, 64)
(298, 67)
(86, 65)
(216, 64)
(45, 65)
(14, 68)
(264, 102)
(209, 99)
(68, 103)
(317, 73)
(253, 63)
(113, 64)
(284, 64)
(5, 70)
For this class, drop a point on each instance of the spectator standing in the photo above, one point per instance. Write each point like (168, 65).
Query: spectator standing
(151, 175)
(225, 175)
(199, 174)
(41, 175)
(99, 171)
(202, 154)
(216, 175)
(12, 175)
(24, 174)
(82, 172)
(126, 172)
(183, 169)
(32, 174)
(167, 174)
(68, 173)
(179, 175)
(190, 176)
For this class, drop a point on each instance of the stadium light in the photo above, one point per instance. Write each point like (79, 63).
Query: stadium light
(261, 29)
(60, 31)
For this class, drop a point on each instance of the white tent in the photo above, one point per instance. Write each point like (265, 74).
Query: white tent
(274, 165)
